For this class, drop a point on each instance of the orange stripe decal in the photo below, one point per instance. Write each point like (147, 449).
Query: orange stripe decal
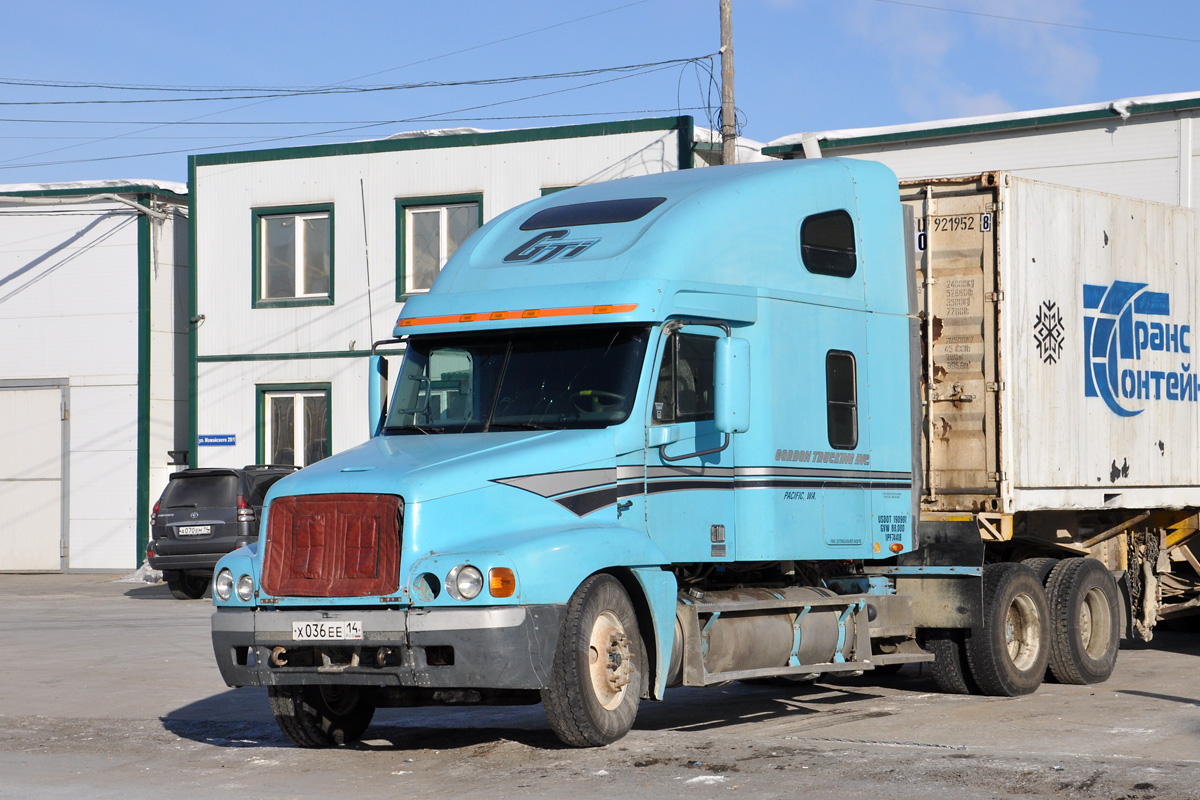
(527, 313)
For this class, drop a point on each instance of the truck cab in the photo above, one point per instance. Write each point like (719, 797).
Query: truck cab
(650, 432)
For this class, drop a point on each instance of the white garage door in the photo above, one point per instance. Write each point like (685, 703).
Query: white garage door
(31, 478)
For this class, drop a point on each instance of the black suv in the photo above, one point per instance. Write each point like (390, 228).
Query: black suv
(202, 515)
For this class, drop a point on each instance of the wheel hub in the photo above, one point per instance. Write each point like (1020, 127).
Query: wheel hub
(609, 663)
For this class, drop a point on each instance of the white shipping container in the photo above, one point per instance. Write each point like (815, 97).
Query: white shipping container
(1058, 354)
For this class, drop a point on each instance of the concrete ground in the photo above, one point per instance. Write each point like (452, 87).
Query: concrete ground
(109, 690)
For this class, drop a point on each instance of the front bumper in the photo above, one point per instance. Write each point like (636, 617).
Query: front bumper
(504, 647)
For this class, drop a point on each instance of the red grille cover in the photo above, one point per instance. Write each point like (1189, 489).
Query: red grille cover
(333, 545)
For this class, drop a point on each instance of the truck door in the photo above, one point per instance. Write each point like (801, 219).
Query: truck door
(689, 470)
(956, 244)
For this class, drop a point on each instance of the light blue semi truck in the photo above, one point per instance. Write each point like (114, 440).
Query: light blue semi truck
(663, 431)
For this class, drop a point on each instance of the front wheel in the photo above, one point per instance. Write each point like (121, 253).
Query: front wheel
(1008, 655)
(321, 716)
(599, 670)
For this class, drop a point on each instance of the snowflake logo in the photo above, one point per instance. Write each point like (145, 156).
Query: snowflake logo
(1048, 332)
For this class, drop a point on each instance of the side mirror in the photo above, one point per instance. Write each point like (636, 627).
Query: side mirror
(377, 386)
(733, 385)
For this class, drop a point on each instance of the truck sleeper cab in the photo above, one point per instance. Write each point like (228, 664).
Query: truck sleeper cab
(654, 432)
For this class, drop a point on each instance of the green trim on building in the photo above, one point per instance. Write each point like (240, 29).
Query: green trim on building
(684, 124)
(402, 206)
(283, 356)
(193, 332)
(687, 142)
(143, 387)
(257, 215)
(1022, 123)
(549, 190)
(132, 188)
(260, 412)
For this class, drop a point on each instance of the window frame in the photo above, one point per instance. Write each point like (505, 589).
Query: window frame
(257, 242)
(852, 403)
(819, 269)
(671, 349)
(406, 204)
(264, 391)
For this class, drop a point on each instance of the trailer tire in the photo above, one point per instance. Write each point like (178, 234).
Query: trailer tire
(599, 673)
(321, 716)
(949, 667)
(1041, 566)
(1085, 621)
(188, 587)
(1008, 655)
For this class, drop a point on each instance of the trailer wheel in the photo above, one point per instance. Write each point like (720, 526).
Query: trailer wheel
(599, 666)
(1085, 621)
(1008, 655)
(188, 587)
(321, 716)
(950, 662)
(1041, 566)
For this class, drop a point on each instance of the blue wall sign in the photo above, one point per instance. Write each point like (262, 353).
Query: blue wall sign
(217, 441)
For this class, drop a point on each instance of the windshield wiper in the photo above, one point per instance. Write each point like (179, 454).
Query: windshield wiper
(412, 429)
(523, 426)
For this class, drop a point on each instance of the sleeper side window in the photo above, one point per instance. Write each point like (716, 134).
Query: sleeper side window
(827, 244)
(842, 394)
(686, 384)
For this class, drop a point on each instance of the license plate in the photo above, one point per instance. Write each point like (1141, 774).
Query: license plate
(326, 630)
(193, 530)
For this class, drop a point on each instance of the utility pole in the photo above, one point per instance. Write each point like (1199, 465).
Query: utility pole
(728, 115)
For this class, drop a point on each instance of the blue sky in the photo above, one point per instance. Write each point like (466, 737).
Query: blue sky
(801, 65)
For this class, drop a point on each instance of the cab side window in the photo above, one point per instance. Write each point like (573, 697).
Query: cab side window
(842, 394)
(686, 380)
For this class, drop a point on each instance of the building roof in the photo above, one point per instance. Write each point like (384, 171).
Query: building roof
(67, 188)
(1018, 120)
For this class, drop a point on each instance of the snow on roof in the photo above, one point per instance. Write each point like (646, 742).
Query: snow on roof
(437, 132)
(100, 187)
(1122, 108)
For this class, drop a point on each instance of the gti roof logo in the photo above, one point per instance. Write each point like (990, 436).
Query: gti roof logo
(548, 245)
(1127, 328)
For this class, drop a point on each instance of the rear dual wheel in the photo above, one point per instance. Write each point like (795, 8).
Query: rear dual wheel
(1085, 633)
(1008, 655)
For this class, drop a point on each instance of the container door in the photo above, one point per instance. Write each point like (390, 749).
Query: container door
(31, 479)
(689, 480)
(956, 245)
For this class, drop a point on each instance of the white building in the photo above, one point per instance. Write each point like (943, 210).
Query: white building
(1142, 147)
(93, 320)
(304, 256)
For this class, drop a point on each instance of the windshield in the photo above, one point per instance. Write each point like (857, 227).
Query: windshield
(534, 379)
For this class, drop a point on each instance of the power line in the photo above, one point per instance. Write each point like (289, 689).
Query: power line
(334, 90)
(251, 123)
(1038, 21)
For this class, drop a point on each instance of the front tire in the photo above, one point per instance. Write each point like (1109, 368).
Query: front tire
(1085, 625)
(188, 587)
(321, 716)
(1008, 655)
(599, 671)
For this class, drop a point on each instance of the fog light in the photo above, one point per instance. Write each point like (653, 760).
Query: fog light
(245, 588)
(464, 582)
(501, 582)
(223, 585)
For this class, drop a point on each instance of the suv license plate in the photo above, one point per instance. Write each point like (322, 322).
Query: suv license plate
(193, 530)
(324, 631)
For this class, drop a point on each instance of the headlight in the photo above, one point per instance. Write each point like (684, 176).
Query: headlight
(245, 588)
(464, 582)
(223, 585)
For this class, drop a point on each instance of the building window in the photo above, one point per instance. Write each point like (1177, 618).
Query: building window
(686, 380)
(827, 244)
(428, 231)
(293, 256)
(841, 390)
(293, 424)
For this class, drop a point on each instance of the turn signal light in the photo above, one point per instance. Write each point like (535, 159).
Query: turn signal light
(897, 547)
(501, 582)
